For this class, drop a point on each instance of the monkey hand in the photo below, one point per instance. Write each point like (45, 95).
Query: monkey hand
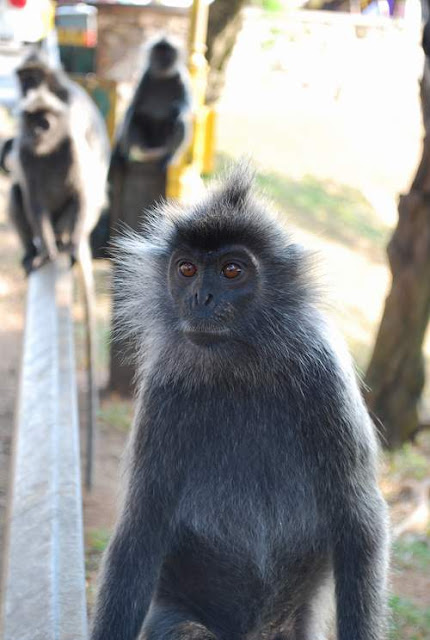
(72, 249)
(137, 154)
(175, 111)
(32, 263)
(73, 256)
(166, 161)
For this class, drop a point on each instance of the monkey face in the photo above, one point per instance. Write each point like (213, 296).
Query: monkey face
(42, 130)
(30, 79)
(36, 75)
(163, 58)
(212, 291)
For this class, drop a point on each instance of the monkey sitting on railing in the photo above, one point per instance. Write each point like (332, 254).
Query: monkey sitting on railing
(58, 163)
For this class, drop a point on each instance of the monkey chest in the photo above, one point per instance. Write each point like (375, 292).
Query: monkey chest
(50, 180)
(264, 508)
(158, 98)
(260, 538)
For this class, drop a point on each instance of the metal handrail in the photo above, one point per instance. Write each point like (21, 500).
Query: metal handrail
(44, 572)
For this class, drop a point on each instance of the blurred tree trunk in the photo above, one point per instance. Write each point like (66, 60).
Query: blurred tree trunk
(135, 188)
(225, 22)
(395, 376)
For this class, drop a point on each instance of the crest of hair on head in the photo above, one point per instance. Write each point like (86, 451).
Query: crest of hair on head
(237, 187)
(36, 59)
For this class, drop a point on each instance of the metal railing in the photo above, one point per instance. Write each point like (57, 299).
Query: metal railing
(44, 573)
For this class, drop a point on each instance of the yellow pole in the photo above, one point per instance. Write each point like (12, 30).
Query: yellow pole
(197, 63)
(184, 179)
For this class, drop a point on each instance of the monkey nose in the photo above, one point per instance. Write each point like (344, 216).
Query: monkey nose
(201, 299)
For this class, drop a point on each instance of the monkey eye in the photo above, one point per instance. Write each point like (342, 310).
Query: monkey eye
(188, 269)
(231, 270)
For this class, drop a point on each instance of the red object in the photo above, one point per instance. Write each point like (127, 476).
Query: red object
(18, 4)
(90, 39)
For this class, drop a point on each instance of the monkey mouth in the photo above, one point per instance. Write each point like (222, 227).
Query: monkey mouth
(205, 335)
(204, 338)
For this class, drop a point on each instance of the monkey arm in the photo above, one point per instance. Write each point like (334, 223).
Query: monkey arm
(129, 131)
(130, 569)
(360, 560)
(181, 116)
(20, 221)
(123, 144)
(39, 220)
(88, 193)
(350, 489)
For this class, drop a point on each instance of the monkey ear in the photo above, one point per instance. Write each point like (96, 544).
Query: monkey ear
(237, 188)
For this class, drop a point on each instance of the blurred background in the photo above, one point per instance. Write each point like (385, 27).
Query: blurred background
(325, 97)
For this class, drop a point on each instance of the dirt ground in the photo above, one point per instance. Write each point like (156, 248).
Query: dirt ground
(350, 119)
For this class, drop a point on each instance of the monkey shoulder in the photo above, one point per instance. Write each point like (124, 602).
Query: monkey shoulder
(88, 123)
(332, 400)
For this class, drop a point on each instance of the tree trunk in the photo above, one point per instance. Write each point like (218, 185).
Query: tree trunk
(225, 22)
(135, 188)
(395, 376)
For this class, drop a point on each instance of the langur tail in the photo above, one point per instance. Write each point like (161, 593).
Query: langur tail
(87, 278)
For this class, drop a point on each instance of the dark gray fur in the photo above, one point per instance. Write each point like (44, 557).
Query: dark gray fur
(157, 121)
(59, 164)
(253, 462)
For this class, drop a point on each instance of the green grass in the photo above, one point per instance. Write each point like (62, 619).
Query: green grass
(408, 620)
(338, 211)
(271, 6)
(412, 554)
(98, 540)
(102, 344)
(117, 413)
(408, 463)
(268, 44)
(334, 210)
(103, 338)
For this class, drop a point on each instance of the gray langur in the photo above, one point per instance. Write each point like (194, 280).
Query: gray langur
(157, 124)
(252, 492)
(58, 165)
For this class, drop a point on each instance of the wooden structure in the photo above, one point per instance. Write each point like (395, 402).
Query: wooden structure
(395, 376)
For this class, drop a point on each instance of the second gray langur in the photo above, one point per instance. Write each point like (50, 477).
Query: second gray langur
(252, 494)
(58, 165)
(59, 162)
(157, 123)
